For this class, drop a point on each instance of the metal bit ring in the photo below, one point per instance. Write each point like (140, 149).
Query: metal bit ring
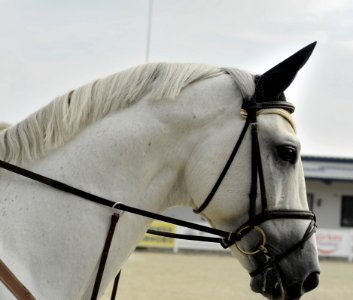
(260, 248)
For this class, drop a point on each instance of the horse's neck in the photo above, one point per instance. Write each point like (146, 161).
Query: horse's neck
(125, 157)
(137, 156)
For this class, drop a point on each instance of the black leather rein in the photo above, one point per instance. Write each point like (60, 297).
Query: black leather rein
(120, 206)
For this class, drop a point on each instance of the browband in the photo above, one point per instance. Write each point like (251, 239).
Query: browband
(251, 106)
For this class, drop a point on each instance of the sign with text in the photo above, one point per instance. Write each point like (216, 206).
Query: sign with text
(336, 243)
(156, 241)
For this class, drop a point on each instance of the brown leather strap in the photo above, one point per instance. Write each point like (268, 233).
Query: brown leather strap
(104, 256)
(14, 284)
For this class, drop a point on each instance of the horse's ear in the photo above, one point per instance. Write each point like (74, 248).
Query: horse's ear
(271, 85)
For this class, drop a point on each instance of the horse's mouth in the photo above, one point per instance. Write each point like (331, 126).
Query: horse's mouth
(271, 285)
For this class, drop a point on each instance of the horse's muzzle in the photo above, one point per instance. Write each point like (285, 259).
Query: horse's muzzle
(273, 286)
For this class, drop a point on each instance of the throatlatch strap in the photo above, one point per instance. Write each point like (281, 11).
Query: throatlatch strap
(225, 169)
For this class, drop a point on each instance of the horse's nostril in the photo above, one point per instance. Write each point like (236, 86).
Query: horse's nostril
(294, 291)
(311, 282)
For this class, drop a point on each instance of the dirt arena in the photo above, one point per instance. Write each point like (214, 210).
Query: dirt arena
(151, 275)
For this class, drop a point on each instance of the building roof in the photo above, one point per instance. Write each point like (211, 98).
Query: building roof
(328, 168)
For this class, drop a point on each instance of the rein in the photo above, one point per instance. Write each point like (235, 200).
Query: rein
(120, 206)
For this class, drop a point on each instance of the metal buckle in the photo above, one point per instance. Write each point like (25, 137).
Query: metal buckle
(261, 247)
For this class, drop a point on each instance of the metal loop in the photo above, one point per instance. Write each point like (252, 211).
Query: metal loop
(121, 212)
(260, 248)
(116, 203)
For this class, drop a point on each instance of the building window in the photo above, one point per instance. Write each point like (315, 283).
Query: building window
(347, 211)
(310, 198)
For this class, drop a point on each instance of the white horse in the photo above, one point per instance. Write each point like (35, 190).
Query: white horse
(152, 137)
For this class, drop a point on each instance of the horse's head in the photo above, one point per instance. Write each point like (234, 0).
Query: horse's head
(273, 231)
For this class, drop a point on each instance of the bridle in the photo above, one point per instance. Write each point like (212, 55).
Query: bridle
(250, 109)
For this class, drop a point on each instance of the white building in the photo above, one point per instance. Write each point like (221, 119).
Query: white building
(329, 184)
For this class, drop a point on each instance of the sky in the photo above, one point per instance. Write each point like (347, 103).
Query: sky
(49, 47)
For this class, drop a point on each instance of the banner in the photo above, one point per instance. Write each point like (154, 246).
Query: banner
(156, 241)
(335, 243)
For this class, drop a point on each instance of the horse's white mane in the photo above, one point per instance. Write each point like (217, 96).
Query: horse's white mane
(3, 126)
(66, 115)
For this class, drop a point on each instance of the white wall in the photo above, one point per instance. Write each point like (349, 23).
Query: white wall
(328, 201)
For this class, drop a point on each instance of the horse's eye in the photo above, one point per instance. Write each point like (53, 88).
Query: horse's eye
(287, 153)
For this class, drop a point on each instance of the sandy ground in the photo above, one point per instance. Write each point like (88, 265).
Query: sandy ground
(151, 275)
